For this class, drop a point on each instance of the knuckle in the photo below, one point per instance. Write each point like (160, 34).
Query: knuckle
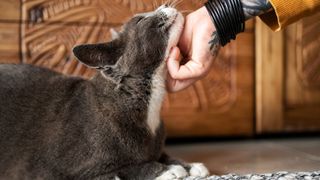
(174, 75)
(200, 72)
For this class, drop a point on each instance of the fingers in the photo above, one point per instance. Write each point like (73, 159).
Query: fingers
(192, 69)
(193, 43)
(182, 76)
(174, 85)
(175, 53)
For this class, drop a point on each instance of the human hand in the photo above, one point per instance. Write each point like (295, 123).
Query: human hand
(194, 50)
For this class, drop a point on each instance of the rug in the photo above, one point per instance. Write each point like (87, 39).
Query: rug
(271, 176)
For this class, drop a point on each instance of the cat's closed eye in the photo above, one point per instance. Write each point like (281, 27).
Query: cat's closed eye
(139, 19)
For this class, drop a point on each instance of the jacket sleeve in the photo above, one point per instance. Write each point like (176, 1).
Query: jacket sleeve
(286, 12)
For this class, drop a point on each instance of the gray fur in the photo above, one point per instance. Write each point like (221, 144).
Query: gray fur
(58, 127)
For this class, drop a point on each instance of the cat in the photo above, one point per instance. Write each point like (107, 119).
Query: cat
(54, 126)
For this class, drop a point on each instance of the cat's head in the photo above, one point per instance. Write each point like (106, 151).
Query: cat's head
(140, 49)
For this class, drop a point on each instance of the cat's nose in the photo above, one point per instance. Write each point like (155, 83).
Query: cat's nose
(169, 11)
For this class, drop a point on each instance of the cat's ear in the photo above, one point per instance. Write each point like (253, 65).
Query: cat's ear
(98, 55)
(114, 33)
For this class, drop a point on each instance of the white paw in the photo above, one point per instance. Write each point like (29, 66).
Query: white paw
(174, 172)
(198, 170)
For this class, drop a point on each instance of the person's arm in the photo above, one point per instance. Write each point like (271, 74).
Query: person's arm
(275, 13)
(197, 54)
(199, 45)
(193, 51)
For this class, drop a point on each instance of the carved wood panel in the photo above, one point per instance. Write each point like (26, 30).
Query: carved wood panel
(220, 104)
(288, 77)
(303, 63)
(307, 51)
(302, 78)
(53, 27)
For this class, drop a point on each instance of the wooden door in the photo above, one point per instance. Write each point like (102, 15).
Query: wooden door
(288, 77)
(43, 32)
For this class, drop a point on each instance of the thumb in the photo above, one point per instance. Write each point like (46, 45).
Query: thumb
(174, 53)
(173, 61)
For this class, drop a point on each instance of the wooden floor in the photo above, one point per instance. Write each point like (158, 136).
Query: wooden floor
(254, 156)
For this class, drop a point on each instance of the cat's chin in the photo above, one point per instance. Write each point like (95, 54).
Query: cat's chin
(175, 32)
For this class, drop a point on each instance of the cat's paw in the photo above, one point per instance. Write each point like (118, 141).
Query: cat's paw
(174, 172)
(198, 170)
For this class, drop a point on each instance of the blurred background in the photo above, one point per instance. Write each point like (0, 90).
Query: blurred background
(262, 85)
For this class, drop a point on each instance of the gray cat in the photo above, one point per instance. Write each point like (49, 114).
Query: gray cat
(58, 127)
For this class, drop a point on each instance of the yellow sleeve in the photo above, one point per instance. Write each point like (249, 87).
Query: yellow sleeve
(286, 12)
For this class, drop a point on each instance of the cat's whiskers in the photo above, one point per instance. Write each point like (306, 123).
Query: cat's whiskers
(175, 3)
(153, 5)
(157, 4)
(185, 11)
(168, 2)
(132, 13)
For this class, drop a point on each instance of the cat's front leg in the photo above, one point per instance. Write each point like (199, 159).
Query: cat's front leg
(194, 169)
(173, 172)
(152, 171)
(198, 170)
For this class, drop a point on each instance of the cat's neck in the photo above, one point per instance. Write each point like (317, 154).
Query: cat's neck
(158, 92)
(148, 91)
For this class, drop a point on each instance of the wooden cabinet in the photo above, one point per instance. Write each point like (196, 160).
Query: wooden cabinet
(43, 32)
(288, 77)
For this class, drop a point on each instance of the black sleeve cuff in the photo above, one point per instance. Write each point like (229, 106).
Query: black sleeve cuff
(228, 18)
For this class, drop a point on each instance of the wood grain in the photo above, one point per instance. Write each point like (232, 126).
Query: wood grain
(269, 79)
(10, 11)
(9, 31)
(9, 43)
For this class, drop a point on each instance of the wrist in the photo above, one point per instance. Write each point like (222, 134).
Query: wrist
(228, 18)
(202, 17)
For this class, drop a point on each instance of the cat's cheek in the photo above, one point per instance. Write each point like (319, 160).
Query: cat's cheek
(175, 33)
